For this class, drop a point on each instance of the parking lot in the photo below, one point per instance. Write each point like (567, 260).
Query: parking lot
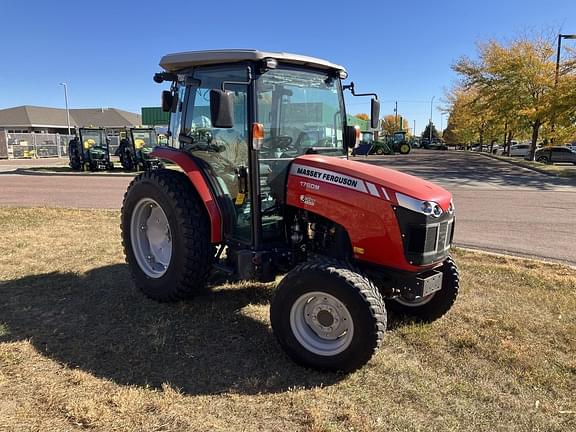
(500, 207)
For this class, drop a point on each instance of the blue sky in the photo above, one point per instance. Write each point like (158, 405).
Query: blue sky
(107, 51)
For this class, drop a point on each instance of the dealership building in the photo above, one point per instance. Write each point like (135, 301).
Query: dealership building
(32, 131)
(28, 118)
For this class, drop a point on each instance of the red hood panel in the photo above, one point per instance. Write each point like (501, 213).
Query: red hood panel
(393, 181)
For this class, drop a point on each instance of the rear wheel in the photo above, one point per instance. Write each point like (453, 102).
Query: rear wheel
(166, 236)
(432, 306)
(404, 148)
(327, 316)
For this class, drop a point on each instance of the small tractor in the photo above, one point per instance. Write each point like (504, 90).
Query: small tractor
(396, 143)
(90, 150)
(258, 194)
(135, 147)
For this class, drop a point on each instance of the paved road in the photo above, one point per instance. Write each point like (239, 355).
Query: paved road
(81, 191)
(500, 207)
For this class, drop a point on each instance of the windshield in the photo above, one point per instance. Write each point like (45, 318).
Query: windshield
(367, 137)
(301, 112)
(144, 139)
(92, 138)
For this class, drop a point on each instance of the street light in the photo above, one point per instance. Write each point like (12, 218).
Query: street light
(430, 125)
(560, 37)
(66, 100)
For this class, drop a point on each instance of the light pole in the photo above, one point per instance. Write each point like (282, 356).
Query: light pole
(560, 37)
(66, 100)
(430, 125)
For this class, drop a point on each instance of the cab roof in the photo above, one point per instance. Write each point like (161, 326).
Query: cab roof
(184, 60)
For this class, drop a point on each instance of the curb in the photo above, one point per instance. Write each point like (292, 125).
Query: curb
(510, 254)
(47, 172)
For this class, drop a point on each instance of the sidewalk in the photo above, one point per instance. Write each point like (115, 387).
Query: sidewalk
(12, 164)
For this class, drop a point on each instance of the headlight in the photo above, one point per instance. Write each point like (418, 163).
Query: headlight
(428, 208)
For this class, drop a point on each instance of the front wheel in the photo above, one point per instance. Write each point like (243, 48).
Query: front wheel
(327, 316)
(379, 151)
(166, 236)
(542, 159)
(432, 306)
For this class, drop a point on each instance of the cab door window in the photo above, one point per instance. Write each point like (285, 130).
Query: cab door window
(225, 152)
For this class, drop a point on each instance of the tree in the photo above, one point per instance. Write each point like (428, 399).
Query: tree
(362, 116)
(390, 123)
(426, 133)
(518, 78)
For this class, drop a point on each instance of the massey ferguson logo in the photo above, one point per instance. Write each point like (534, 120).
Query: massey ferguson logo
(328, 177)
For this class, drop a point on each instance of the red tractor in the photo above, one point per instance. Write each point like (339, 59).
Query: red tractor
(264, 187)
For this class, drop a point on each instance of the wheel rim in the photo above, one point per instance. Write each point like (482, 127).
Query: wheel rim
(321, 323)
(420, 301)
(151, 238)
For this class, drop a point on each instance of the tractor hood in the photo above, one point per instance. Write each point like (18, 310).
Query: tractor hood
(367, 178)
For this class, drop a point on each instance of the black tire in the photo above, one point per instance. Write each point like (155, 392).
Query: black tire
(438, 304)
(75, 162)
(543, 159)
(379, 151)
(192, 253)
(405, 148)
(357, 294)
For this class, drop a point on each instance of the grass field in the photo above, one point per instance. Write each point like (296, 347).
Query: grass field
(82, 349)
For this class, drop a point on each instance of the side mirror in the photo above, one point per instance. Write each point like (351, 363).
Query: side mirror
(167, 101)
(374, 113)
(351, 136)
(222, 109)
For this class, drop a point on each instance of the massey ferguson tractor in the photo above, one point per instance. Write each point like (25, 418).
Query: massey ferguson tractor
(263, 187)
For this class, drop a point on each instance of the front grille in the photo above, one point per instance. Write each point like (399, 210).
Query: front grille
(426, 239)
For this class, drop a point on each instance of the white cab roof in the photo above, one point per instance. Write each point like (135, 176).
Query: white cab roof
(184, 60)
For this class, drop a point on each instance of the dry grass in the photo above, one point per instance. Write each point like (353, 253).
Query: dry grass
(80, 348)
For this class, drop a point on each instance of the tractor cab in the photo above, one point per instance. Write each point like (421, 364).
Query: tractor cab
(89, 150)
(135, 147)
(244, 117)
(262, 186)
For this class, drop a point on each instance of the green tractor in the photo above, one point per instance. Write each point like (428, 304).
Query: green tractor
(396, 143)
(135, 147)
(90, 150)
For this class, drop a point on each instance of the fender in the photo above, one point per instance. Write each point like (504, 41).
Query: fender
(190, 168)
